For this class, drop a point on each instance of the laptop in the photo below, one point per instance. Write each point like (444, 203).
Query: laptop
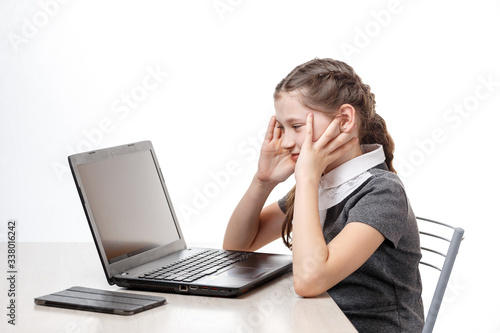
(138, 236)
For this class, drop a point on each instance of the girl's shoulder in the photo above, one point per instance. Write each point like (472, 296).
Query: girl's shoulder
(381, 186)
(381, 176)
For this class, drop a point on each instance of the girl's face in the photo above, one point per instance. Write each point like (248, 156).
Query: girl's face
(291, 117)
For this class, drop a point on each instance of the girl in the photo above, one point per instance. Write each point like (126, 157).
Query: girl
(354, 232)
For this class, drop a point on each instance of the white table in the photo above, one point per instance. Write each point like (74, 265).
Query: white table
(44, 268)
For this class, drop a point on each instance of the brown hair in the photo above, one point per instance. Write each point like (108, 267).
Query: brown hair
(324, 85)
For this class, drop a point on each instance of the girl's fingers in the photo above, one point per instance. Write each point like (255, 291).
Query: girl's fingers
(309, 128)
(338, 141)
(342, 147)
(330, 132)
(271, 127)
(277, 131)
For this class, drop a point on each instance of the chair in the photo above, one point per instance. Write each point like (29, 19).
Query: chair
(431, 232)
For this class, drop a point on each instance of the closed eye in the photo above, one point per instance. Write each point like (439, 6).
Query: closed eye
(294, 127)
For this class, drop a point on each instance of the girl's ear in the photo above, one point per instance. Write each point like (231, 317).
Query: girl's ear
(347, 113)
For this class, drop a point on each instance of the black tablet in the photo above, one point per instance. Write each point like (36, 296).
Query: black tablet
(88, 299)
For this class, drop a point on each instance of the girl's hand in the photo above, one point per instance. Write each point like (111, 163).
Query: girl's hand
(275, 163)
(315, 156)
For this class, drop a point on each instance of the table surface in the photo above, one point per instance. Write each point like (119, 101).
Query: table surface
(45, 268)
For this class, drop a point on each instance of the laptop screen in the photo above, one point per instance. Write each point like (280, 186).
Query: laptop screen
(129, 205)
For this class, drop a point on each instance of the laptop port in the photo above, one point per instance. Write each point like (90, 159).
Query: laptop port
(193, 287)
(183, 288)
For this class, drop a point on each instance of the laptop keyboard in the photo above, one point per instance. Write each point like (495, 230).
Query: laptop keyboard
(196, 266)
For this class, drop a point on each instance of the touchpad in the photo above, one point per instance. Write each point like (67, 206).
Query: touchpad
(243, 272)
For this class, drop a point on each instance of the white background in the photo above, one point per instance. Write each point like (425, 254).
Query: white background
(69, 68)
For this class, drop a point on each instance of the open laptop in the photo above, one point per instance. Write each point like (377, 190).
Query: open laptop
(138, 236)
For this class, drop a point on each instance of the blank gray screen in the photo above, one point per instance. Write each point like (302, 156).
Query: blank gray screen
(128, 204)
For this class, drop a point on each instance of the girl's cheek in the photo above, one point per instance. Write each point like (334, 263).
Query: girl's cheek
(318, 132)
(300, 142)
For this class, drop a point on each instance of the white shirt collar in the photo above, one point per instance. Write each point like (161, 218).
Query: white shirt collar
(373, 154)
(337, 184)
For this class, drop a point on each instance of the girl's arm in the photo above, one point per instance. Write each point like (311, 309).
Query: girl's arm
(318, 266)
(250, 226)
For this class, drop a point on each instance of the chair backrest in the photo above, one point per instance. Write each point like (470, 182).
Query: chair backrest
(434, 244)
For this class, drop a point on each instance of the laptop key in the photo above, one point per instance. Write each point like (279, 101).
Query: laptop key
(212, 270)
(179, 278)
(190, 279)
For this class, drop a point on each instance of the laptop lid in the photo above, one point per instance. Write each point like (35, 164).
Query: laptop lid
(127, 206)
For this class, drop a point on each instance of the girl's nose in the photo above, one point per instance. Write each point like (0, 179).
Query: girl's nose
(287, 142)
